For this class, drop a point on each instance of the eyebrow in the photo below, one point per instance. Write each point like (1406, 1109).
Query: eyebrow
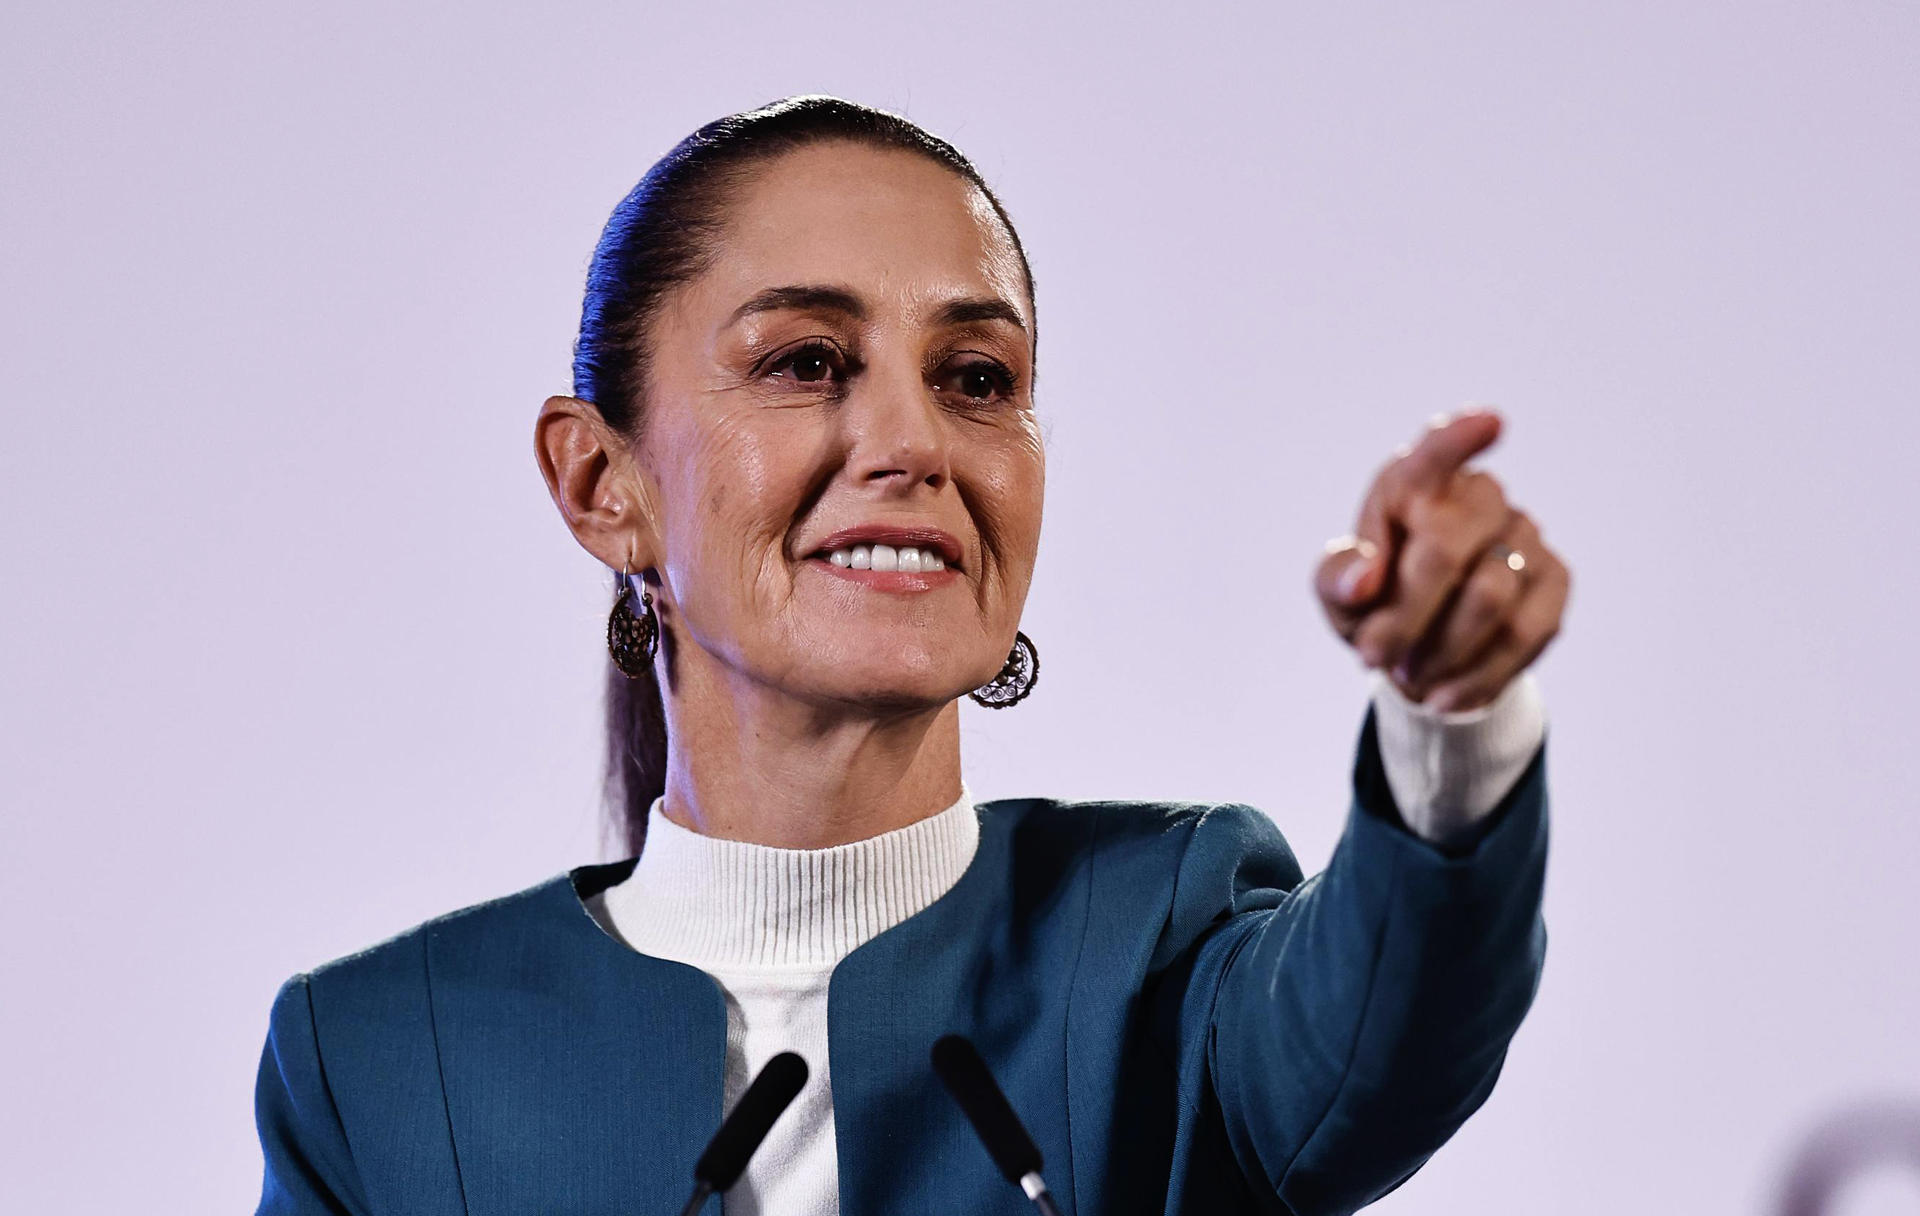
(800, 299)
(805, 298)
(979, 308)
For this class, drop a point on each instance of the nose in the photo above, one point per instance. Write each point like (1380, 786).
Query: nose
(897, 435)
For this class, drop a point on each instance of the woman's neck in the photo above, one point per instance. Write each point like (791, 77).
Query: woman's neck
(757, 766)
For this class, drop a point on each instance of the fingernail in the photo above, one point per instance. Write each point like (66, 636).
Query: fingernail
(1351, 576)
(1359, 544)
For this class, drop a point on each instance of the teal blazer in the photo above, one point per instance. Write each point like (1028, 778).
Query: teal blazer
(1183, 1023)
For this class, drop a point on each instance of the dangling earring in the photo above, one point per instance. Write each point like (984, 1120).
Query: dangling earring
(632, 639)
(1015, 680)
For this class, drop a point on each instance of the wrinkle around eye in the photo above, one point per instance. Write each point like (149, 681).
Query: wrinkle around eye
(986, 353)
(774, 373)
(1004, 382)
(755, 346)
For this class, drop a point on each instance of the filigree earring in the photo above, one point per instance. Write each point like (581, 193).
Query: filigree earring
(1015, 680)
(632, 638)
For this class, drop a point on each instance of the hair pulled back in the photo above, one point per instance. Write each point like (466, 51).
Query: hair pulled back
(662, 235)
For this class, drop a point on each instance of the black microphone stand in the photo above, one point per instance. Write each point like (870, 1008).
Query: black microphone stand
(700, 1192)
(958, 1064)
(745, 1126)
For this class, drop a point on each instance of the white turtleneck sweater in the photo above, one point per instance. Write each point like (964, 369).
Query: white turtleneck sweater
(770, 924)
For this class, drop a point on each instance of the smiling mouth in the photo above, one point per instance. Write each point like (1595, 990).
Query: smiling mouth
(906, 559)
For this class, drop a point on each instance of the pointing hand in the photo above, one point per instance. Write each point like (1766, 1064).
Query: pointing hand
(1443, 583)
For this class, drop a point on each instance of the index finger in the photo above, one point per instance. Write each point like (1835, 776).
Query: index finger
(1424, 467)
(1447, 446)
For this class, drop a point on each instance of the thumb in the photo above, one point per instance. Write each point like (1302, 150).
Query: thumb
(1349, 574)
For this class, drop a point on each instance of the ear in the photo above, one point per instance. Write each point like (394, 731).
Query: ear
(594, 481)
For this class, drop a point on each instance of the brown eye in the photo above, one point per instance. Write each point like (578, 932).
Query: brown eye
(814, 363)
(980, 381)
(810, 366)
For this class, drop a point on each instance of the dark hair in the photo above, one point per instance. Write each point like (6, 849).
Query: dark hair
(663, 234)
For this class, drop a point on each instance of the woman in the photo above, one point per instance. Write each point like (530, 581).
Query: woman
(803, 434)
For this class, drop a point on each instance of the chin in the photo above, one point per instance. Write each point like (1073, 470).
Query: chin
(900, 683)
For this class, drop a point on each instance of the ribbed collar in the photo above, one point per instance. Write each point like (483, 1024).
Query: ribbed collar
(717, 903)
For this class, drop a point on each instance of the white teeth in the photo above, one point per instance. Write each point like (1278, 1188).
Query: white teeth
(909, 559)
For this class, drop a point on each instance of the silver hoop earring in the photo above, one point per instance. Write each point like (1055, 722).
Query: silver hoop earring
(632, 638)
(1015, 680)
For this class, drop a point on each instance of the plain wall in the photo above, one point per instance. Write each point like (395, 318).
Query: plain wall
(297, 652)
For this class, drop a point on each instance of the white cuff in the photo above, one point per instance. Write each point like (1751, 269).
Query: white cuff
(1448, 769)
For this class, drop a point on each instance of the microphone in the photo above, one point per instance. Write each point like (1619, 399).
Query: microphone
(745, 1126)
(966, 1077)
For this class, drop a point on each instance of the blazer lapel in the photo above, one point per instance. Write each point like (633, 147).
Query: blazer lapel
(966, 964)
(582, 1078)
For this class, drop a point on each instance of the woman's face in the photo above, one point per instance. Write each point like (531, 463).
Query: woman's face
(843, 394)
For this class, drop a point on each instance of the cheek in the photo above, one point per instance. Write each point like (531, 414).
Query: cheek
(1012, 475)
(734, 493)
(1032, 488)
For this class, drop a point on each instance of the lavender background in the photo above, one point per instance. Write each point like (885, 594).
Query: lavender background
(298, 654)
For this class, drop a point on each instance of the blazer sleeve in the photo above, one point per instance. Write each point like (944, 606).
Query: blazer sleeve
(309, 1166)
(1347, 1026)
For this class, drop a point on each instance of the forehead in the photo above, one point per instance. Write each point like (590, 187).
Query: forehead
(894, 226)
